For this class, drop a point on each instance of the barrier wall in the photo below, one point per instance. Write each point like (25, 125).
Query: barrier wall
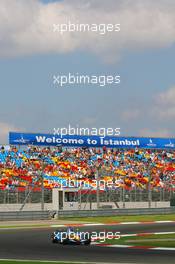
(84, 206)
(116, 212)
(32, 215)
(27, 207)
(45, 215)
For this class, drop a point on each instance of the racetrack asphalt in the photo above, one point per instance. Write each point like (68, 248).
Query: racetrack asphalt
(35, 244)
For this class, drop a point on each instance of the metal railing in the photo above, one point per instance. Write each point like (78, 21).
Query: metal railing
(25, 215)
(116, 212)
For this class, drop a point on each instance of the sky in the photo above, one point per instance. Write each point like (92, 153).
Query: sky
(142, 53)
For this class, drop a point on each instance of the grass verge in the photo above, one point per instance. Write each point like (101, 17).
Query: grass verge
(35, 262)
(127, 218)
(148, 240)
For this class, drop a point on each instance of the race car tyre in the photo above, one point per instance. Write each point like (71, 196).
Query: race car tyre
(54, 241)
(87, 242)
(65, 241)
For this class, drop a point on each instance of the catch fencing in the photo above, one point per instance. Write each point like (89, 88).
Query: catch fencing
(46, 215)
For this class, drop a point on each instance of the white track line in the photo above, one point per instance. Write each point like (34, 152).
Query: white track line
(129, 223)
(163, 248)
(117, 223)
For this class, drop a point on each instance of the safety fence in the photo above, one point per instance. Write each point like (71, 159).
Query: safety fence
(120, 195)
(25, 215)
(116, 212)
(45, 215)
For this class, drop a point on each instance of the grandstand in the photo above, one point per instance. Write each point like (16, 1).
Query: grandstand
(137, 175)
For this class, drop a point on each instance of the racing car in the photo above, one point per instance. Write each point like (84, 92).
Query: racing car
(71, 236)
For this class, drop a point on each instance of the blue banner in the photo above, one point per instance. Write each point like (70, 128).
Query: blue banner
(90, 141)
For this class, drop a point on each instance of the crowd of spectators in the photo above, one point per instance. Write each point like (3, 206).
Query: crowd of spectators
(129, 168)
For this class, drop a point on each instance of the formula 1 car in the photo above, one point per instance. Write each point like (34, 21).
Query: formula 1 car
(71, 236)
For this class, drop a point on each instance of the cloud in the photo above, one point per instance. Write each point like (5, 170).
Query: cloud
(161, 109)
(164, 107)
(167, 97)
(155, 117)
(146, 132)
(5, 128)
(26, 27)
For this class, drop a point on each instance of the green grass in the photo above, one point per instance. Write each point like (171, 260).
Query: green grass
(101, 219)
(35, 262)
(127, 218)
(150, 240)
